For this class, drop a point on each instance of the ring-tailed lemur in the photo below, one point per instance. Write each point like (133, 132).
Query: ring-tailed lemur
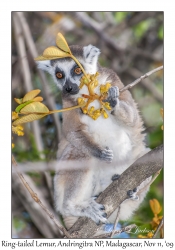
(117, 141)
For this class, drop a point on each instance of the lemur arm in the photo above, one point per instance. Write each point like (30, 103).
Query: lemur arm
(124, 107)
(83, 142)
(126, 113)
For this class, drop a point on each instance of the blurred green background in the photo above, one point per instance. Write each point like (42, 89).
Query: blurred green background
(131, 43)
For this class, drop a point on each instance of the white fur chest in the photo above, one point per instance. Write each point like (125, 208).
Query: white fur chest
(108, 133)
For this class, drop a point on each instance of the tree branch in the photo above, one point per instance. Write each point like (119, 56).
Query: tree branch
(129, 86)
(116, 193)
(147, 84)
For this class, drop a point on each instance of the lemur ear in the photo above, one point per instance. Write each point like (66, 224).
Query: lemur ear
(91, 54)
(44, 65)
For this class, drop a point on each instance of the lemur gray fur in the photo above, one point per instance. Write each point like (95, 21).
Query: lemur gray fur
(117, 141)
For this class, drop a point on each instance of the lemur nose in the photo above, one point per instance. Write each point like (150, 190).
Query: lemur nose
(69, 89)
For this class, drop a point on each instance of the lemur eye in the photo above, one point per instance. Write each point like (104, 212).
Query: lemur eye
(77, 71)
(59, 75)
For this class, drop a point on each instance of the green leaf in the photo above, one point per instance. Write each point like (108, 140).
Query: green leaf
(22, 106)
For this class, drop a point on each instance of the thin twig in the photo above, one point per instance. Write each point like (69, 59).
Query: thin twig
(147, 84)
(37, 200)
(158, 229)
(154, 177)
(124, 229)
(116, 221)
(129, 86)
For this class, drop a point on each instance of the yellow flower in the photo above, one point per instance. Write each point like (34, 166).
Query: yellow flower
(105, 115)
(91, 82)
(18, 130)
(105, 88)
(14, 116)
(150, 235)
(156, 221)
(107, 105)
(96, 114)
(81, 101)
(155, 206)
(91, 110)
(84, 80)
(141, 236)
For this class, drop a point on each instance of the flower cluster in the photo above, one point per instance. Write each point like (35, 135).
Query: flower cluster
(91, 82)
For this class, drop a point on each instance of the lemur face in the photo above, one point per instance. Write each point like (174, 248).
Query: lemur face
(66, 73)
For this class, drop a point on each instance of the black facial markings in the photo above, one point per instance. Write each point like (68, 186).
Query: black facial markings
(87, 55)
(72, 72)
(89, 52)
(77, 50)
(52, 62)
(70, 88)
(58, 70)
(60, 80)
(92, 59)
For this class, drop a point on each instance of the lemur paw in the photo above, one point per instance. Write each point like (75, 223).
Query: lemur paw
(133, 194)
(113, 94)
(96, 196)
(140, 190)
(107, 155)
(115, 177)
(96, 212)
